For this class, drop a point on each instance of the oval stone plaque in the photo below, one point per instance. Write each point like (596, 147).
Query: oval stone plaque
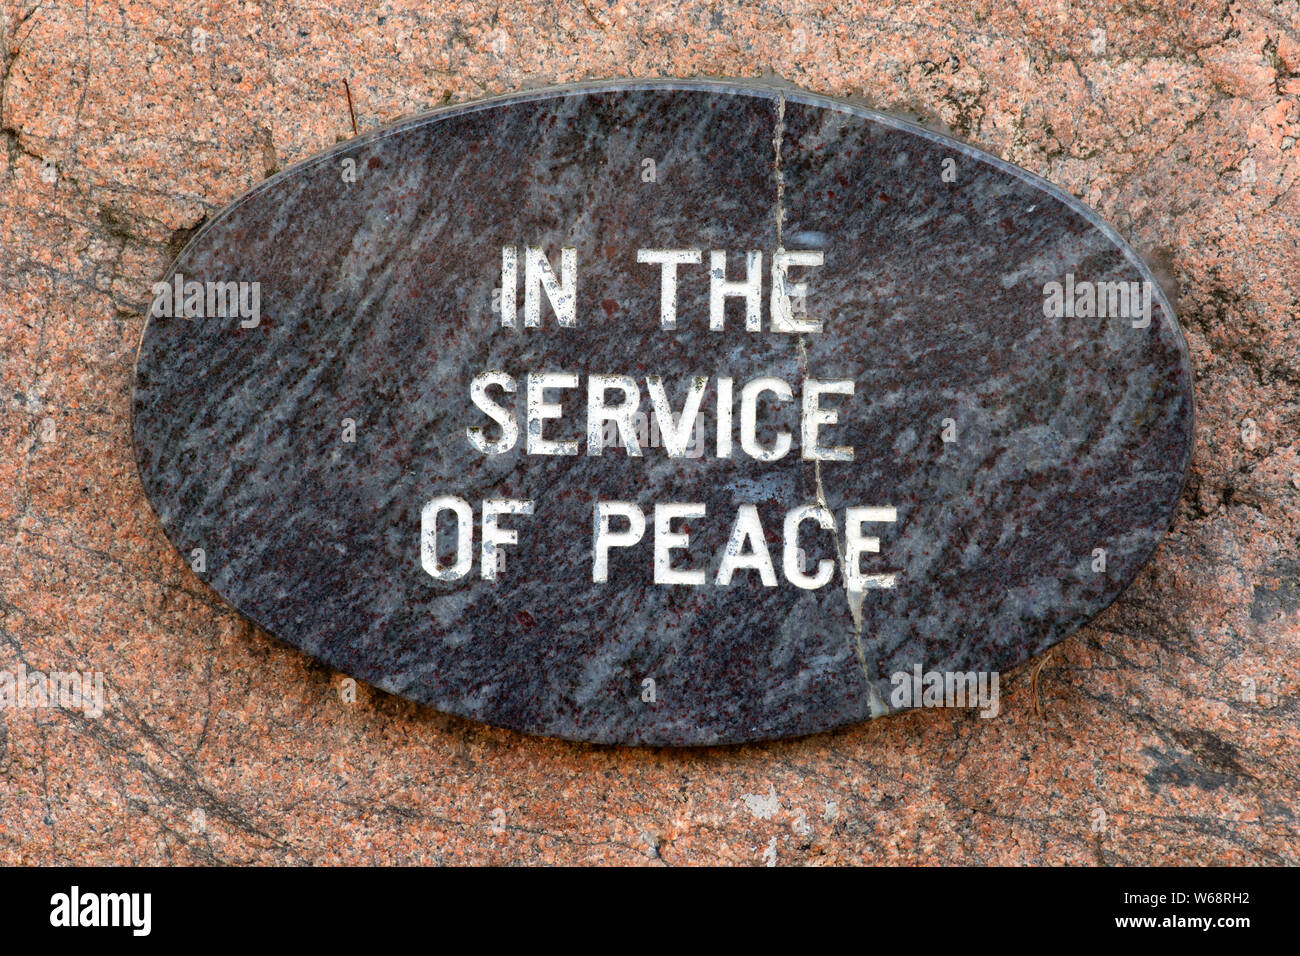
(663, 412)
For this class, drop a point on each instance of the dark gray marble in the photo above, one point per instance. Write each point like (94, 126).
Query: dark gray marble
(376, 305)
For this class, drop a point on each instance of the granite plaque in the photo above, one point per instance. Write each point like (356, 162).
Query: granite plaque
(671, 412)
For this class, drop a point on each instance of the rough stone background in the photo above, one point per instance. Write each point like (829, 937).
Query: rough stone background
(125, 124)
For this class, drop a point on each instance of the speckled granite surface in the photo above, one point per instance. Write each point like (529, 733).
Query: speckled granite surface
(1140, 739)
(1066, 434)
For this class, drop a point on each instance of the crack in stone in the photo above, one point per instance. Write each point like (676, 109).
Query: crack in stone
(854, 597)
